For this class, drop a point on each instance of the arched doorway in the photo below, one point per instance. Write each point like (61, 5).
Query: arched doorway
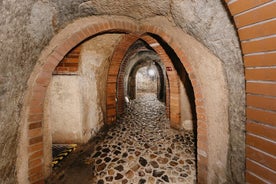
(202, 76)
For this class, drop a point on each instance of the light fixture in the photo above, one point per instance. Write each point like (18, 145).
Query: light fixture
(151, 72)
(151, 69)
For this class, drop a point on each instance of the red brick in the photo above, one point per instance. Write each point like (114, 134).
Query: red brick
(201, 116)
(260, 171)
(35, 118)
(44, 78)
(259, 115)
(263, 144)
(257, 15)
(241, 5)
(35, 132)
(261, 74)
(34, 169)
(35, 125)
(198, 94)
(202, 145)
(38, 94)
(202, 160)
(35, 148)
(36, 155)
(263, 102)
(260, 30)
(38, 109)
(35, 162)
(261, 157)
(267, 59)
(199, 102)
(268, 89)
(261, 130)
(201, 125)
(51, 63)
(251, 178)
(200, 109)
(35, 140)
(37, 178)
(267, 44)
(39, 182)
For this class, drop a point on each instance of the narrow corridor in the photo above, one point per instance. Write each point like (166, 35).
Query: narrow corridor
(142, 148)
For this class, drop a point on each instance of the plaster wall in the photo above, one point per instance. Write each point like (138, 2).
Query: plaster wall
(63, 104)
(75, 103)
(186, 111)
(94, 64)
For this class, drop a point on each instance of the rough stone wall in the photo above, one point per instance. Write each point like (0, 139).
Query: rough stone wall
(27, 26)
(25, 29)
(19, 49)
(135, 9)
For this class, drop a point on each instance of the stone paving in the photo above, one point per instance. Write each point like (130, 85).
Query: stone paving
(142, 148)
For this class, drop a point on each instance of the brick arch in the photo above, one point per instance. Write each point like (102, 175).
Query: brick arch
(173, 89)
(173, 98)
(160, 80)
(32, 143)
(256, 27)
(123, 72)
(130, 91)
(202, 140)
(121, 79)
(63, 42)
(116, 71)
(113, 71)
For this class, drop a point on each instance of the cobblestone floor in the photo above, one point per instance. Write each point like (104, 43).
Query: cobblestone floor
(142, 148)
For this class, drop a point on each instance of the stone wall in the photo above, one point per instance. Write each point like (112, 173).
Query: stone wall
(19, 49)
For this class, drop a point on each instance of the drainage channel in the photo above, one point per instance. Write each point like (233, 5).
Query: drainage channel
(60, 151)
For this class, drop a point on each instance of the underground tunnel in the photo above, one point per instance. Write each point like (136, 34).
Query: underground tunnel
(75, 74)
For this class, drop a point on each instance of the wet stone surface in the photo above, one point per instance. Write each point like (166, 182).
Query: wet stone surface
(142, 148)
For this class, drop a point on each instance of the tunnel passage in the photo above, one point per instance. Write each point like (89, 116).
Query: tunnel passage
(197, 68)
(145, 79)
(140, 148)
(142, 61)
(141, 55)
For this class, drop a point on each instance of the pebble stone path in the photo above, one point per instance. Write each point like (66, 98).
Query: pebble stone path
(142, 148)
